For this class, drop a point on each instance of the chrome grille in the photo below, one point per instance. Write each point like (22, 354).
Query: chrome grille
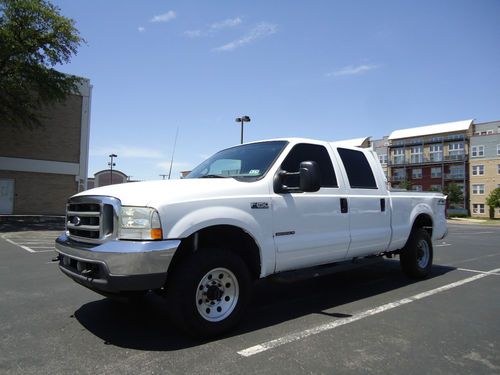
(91, 219)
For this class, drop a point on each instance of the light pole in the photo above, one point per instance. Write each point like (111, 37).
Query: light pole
(242, 120)
(111, 165)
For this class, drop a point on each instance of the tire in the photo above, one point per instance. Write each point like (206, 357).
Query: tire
(208, 292)
(416, 256)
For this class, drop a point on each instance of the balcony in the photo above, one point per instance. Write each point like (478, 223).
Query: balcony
(398, 178)
(432, 160)
(454, 176)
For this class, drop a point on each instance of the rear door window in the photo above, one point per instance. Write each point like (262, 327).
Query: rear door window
(358, 169)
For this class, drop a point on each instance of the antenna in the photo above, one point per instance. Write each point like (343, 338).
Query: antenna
(173, 152)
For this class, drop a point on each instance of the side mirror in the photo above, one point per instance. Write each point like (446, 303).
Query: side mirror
(310, 180)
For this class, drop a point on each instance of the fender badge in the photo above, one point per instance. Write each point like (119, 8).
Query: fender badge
(259, 205)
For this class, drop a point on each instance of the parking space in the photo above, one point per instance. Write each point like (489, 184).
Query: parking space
(33, 241)
(370, 320)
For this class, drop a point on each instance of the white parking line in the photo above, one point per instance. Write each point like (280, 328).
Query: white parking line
(21, 246)
(358, 316)
(477, 271)
(32, 244)
(443, 244)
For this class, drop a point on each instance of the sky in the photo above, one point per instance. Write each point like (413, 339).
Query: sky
(327, 70)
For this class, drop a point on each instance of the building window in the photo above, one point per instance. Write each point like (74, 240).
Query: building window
(436, 172)
(416, 173)
(436, 188)
(416, 187)
(498, 168)
(436, 152)
(477, 151)
(490, 131)
(457, 172)
(399, 156)
(478, 189)
(478, 170)
(417, 155)
(382, 158)
(456, 151)
(498, 149)
(478, 208)
(399, 174)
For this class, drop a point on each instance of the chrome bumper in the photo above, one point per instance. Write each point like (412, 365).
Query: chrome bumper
(116, 266)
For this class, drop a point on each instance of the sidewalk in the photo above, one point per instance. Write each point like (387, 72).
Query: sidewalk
(18, 223)
(467, 220)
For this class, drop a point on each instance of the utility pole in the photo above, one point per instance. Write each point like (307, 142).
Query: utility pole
(111, 165)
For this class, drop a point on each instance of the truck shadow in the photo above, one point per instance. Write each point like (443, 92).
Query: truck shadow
(145, 326)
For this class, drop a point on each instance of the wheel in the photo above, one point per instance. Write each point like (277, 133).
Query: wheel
(208, 292)
(416, 256)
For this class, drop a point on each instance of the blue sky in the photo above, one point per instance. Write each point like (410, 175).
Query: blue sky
(318, 69)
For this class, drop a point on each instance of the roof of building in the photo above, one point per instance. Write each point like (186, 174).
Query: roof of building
(355, 142)
(446, 127)
(115, 171)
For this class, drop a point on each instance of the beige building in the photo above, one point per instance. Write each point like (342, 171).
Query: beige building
(41, 168)
(484, 166)
(107, 177)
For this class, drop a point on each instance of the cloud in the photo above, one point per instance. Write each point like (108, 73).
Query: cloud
(141, 29)
(165, 17)
(230, 22)
(261, 30)
(352, 70)
(213, 28)
(124, 151)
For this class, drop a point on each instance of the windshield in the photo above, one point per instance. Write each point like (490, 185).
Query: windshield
(248, 162)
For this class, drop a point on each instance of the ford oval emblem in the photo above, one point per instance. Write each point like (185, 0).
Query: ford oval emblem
(76, 221)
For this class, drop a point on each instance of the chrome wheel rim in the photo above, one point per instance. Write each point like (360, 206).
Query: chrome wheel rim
(217, 294)
(423, 254)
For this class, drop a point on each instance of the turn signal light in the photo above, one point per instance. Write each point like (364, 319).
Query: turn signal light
(156, 234)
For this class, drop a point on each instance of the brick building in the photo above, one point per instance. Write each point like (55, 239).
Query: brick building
(429, 158)
(484, 166)
(41, 168)
(105, 177)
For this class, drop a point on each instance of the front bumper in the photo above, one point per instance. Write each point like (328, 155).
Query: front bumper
(116, 266)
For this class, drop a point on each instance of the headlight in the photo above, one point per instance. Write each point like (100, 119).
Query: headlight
(139, 223)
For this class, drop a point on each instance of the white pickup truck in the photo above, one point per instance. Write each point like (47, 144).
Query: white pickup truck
(247, 212)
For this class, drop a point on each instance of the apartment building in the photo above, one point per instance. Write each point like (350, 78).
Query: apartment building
(381, 148)
(429, 158)
(484, 166)
(41, 168)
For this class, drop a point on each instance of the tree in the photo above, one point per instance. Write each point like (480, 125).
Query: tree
(34, 38)
(493, 201)
(405, 184)
(455, 194)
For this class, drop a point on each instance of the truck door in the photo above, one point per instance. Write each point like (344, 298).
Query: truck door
(368, 205)
(309, 228)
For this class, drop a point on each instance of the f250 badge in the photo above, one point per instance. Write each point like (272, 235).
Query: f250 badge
(259, 205)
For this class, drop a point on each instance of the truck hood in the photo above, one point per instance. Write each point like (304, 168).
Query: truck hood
(164, 192)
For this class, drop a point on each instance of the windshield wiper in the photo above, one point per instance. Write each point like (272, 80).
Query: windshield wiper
(213, 176)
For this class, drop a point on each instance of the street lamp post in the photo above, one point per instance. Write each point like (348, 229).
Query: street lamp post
(242, 120)
(111, 165)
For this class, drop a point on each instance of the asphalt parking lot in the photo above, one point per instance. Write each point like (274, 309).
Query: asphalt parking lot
(370, 320)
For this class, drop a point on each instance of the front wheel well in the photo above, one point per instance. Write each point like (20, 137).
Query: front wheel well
(226, 237)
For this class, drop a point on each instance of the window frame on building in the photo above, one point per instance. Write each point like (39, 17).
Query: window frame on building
(415, 175)
(398, 153)
(436, 175)
(382, 158)
(478, 208)
(477, 189)
(417, 157)
(456, 151)
(477, 151)
(478, 170)
(433, 152)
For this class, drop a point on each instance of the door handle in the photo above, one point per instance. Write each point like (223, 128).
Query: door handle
(382, 204)
(344, 208)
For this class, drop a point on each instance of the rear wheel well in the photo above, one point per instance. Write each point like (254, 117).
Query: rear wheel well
(423, 221)
(226, 237)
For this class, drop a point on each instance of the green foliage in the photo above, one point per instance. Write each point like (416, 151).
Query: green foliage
(34, 38)
(493, 201)
(454, 193)
(405, 184)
